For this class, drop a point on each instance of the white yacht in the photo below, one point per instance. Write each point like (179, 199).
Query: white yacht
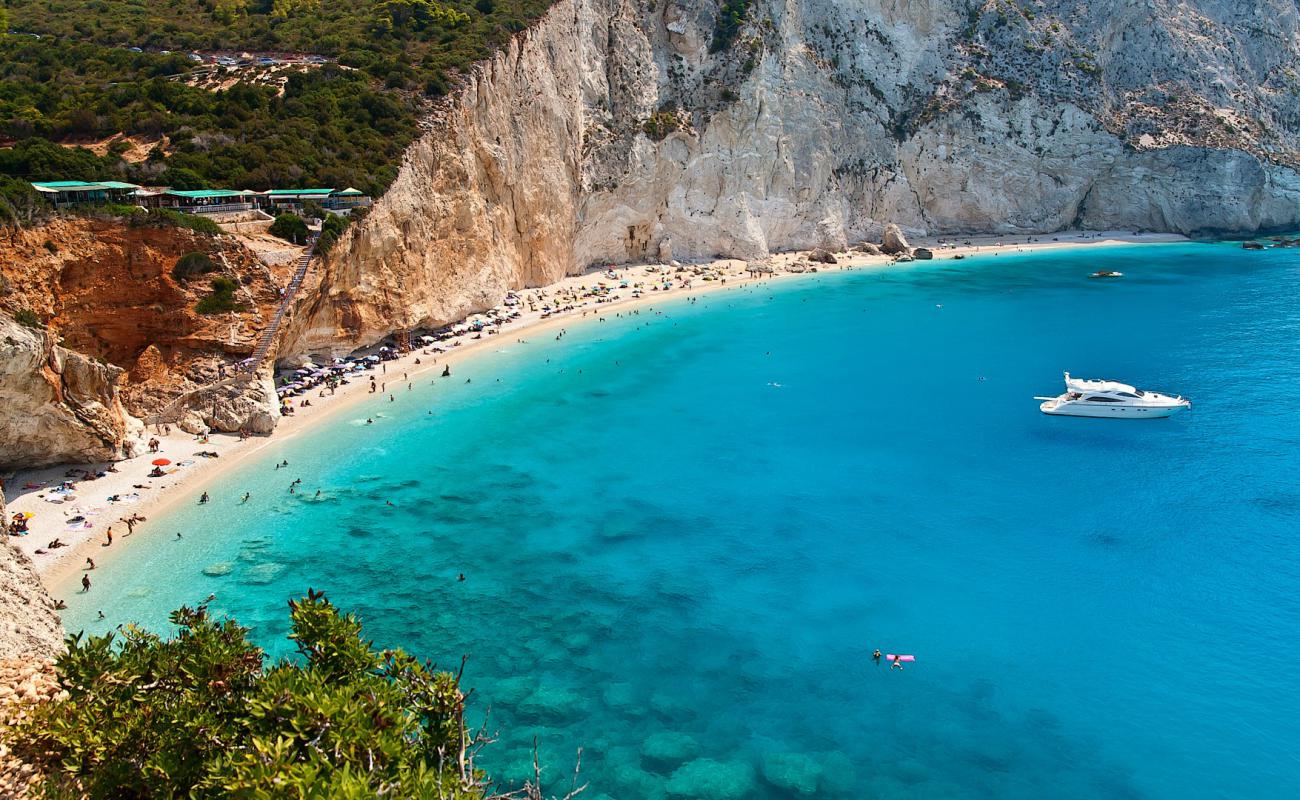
(1091, 398)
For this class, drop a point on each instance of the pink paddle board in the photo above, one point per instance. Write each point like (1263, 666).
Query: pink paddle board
(892, 657)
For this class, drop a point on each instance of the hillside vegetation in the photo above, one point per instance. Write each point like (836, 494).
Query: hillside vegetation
(106, 67)
(204, 713)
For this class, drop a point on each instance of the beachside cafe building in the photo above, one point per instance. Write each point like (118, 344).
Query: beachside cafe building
(66, 193)
(199, 201)
(342, 200)
(208, 201)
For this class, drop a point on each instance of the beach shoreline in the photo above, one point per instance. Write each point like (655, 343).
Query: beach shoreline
(60, 569)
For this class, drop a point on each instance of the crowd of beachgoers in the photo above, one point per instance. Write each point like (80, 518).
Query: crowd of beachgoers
(68, 518)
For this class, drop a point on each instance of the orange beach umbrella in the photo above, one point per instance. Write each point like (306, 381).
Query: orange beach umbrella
(161, 462)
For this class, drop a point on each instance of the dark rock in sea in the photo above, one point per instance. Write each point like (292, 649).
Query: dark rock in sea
(922, 254)
(1252, 246)
(823, 257)
(894, 241)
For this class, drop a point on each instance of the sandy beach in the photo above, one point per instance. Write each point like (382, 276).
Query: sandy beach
(81, 520)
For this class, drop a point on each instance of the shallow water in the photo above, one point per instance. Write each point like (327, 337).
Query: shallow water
(684, 534)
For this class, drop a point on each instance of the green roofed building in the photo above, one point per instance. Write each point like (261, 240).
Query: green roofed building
(342, 201)
(209, 201)
(198, 201)
(62, 193)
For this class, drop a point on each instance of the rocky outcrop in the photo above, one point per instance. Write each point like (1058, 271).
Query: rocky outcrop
(105, 287)
(615, 131)
(232, 405)
(58, 406)
(894, 242)
(29, 623)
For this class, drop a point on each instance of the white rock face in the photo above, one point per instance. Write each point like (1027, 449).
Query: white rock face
(57, 406)
(611, 132)
(231, 406)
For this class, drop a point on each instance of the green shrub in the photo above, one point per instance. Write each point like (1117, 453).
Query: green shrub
(191, 264)
(182, 179)
(331, 229)
(310, 208)
(222, 298)
(202, 714)
(289, 227)
(179, 219)
(660, 124)
(26, 316)
(20, 204)
(730, 17)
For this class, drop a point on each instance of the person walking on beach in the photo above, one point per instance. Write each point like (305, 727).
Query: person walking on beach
(246, 496)
(110, 536)
(90, 563)
(85, 583)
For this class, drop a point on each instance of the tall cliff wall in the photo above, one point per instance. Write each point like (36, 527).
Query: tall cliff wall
(616, 130)
(58, 406)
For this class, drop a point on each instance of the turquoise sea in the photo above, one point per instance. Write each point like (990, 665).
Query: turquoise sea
(684, 531)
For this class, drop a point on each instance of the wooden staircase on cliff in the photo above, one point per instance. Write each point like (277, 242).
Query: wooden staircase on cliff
(268, 336)
(248, 367)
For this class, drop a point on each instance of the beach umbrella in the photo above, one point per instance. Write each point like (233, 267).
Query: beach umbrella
(161, 462)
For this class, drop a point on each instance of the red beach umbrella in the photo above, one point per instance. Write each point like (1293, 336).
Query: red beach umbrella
(161, 462)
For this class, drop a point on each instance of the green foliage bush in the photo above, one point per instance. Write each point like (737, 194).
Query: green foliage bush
(289, 227)
(331, 229)
(179, 219)
(191, 264)
(182, 179)
(222, 298)
(730, 17)
(660, 124)
(202, 715)
(19, 202)
(25, 316)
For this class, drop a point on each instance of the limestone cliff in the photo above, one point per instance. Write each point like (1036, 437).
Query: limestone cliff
(56, 405)
(106, 288)
(29, 624)
(616, 130)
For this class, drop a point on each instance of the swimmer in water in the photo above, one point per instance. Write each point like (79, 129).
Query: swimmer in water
(461, 577)
(246, 496)
(898, 663)
(876, 656)
(370, 421)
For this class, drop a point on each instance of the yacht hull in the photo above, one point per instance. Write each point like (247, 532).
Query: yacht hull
(1057, 409)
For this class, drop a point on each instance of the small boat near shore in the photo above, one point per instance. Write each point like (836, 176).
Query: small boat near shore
(1096, 398)
(1106, 273)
